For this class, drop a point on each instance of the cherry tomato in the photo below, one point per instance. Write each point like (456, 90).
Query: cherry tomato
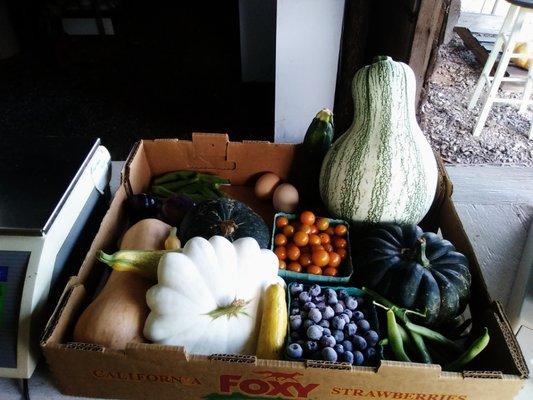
(334, 260)
(314, 239)
(331, 271)
(340, 230)
(339, 243)
(293, 252)
(314, 229)
(330, 231)
(314, 269)
(300, 239)
(288, 230)
(322, 224)
(281, 222)
(316, 247)
(328, 247)
(307, 218)
(280, 239)
(305, 259)
(305, 229)
(324, 238)
(295, 267)
(320, 258)
(305, 250)
(282, 264)
(341, 252)
(281, 252)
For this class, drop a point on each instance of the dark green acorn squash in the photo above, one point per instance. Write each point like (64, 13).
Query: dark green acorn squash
(415, 270)
(224, 217)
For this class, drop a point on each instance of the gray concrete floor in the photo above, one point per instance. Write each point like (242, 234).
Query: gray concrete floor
(496, 207)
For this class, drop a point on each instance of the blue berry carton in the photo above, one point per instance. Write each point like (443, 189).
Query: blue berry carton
(367, 307)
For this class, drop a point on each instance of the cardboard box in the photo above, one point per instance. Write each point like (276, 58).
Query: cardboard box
(146, 371)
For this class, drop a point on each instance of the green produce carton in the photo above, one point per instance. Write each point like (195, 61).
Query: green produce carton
(345, 268)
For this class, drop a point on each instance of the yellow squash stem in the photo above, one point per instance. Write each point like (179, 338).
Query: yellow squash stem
(172, 242)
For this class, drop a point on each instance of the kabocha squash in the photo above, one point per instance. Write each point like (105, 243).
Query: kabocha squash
(415, 270)
(207, 297)
(382, 169)
(116, 316)
(225, 217)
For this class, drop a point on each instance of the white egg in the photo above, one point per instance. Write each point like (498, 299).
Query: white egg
(285, 198)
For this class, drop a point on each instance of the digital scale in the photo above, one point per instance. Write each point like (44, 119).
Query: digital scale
(53, 194)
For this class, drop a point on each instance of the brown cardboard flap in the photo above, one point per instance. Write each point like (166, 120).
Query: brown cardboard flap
(233, 358)
(423, 371)
(155, 352)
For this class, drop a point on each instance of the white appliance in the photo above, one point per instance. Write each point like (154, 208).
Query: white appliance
(50, 190)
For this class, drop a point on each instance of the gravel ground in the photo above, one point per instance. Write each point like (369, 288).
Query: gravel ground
(448, 124)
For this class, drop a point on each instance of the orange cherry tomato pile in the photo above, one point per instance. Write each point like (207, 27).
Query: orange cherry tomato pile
(310, 244)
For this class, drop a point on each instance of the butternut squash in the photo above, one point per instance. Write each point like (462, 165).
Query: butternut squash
(117, 315)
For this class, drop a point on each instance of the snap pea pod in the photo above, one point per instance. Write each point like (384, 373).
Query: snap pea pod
(475, 348)
(395, 338)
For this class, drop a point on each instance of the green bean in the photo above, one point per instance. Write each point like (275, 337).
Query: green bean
(475, 348)
(384, 342)
(161, 191)
(174, 176)
(421, 347)
(175, 186)
(395, 338)
(432, 335)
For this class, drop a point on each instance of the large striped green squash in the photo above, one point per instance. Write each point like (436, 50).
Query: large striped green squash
(382, 169)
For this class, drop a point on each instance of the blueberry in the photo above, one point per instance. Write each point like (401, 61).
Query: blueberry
(358, 358)
(331, 296)
(359, 343)
(347, 345)
(348, 312)
(296, 289)
(314, 332)
(304, 297)
(327, 331)
(350, 329)
(294, 350)
(348, 356)
(315, 290)
(351, 303)
(321, 305)
(295, 321)
(370, 353)
(342, 304)
(324, 323)
(295, 336)
(310, 346)
(339, 349)
(371, 338)
(338, 335)
(338, 322)
(307, 323)
(363, 325)
(327, 341)
(295, 311)
(342, 294)
(329, 354)
(357, 315)
(328, 313)
(319, 299)
(315, 315)
(345, 317)
(338, 308)
(309, 305)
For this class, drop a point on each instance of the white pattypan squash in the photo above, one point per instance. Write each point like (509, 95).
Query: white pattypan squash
(207, 298)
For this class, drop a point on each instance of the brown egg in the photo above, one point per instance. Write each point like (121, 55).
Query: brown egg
(265, 185)
(285, 198)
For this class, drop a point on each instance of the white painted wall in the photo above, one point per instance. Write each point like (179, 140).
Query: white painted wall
(308, 36)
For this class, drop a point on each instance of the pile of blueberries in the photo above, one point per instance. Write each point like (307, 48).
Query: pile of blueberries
(327, 324)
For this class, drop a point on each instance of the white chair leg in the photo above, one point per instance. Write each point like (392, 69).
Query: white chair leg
(500, 71)
(527, 91)
(489, 64)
